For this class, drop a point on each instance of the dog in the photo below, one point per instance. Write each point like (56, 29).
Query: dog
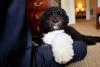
(56, 32)
(58, 40)
(55, 18)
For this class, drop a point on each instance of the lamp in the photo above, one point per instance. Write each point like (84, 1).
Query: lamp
(79, 7)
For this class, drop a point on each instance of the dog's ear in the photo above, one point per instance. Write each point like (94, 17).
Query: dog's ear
(44, 24)
(65, 16)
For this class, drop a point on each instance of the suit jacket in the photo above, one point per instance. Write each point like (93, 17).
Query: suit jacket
(16, 38)
(4, 4)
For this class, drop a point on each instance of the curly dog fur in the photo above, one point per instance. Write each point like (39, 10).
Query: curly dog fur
(76, 36)
(60, 43)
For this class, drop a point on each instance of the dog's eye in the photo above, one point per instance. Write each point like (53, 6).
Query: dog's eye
(58, 13)
(51, 13)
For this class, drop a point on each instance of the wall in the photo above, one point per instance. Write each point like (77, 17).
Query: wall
(53, 3)
(98, 3)
(93, 5)
(68, 6)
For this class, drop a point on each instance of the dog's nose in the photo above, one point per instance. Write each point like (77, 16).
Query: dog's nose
(55, 20)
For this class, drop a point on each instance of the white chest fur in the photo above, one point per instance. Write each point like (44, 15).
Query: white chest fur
(61, 44)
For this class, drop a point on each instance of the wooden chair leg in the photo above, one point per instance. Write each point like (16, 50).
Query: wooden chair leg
(97, 22)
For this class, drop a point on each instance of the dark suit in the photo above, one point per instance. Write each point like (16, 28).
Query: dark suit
(44, 55)
(4, 4)
(16, 38)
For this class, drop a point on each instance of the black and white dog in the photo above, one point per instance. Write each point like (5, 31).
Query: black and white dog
(57, 33)
(55, 18)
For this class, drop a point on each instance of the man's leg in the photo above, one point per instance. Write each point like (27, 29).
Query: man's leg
(80, 51)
